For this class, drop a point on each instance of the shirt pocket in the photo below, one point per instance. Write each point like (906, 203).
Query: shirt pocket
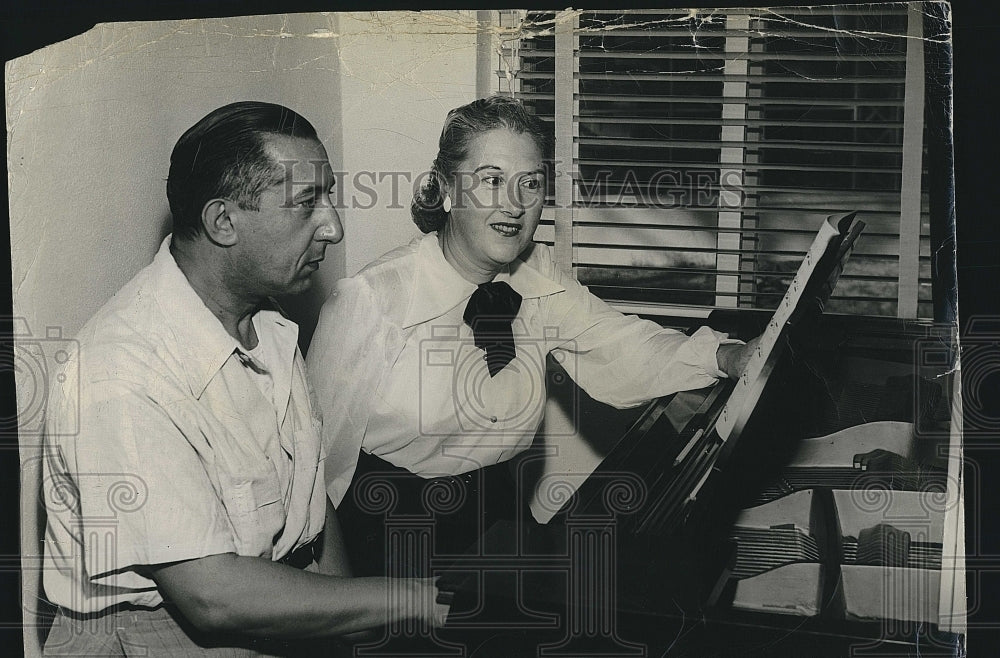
(255, 509)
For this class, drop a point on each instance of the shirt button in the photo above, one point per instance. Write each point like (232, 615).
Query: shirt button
(493, 419)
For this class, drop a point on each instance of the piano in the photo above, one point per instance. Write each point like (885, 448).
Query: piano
(812, 508)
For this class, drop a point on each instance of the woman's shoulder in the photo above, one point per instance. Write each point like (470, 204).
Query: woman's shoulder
(386, 272)
(400, 261)
(383, 283)
(539, 257)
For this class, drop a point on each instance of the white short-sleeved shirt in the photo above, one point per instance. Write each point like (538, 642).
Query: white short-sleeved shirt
(397, 374)
(161, 446)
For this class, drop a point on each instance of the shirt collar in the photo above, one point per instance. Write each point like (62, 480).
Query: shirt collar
(203, 344)
(438, 287)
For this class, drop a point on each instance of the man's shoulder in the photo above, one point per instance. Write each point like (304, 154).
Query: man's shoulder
(129, 308)
(125, 329)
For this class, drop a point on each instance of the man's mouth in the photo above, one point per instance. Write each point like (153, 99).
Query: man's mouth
(506, 230)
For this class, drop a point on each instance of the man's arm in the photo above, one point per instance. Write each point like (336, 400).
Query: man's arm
(254, 596)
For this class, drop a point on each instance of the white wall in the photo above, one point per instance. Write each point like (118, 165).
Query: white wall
(400, 74)
(92, 121)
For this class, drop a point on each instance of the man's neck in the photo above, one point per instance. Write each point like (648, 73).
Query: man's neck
(233, 308)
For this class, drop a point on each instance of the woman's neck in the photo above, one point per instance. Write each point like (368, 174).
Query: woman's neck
(462, 264)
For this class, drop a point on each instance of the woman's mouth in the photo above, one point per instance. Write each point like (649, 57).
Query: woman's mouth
(506, 230)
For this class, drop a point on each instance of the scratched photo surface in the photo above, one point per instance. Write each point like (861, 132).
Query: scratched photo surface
(784, 172)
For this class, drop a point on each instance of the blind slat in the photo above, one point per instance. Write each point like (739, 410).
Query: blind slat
(760, 123)
(714, 76)
(752, 272)
(718, 100)
(665, 164)
(712, 54)
(859, 147)
(776, 13)
(755, 190)
(810, 231)
(758, 32)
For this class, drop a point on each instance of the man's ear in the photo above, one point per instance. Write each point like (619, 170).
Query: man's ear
(218, 223)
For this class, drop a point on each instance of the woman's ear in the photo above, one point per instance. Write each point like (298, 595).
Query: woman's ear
(447, 191)
(444, 185)
(218, 222)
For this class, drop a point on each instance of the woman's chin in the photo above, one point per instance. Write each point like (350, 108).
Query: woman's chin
(508, 253)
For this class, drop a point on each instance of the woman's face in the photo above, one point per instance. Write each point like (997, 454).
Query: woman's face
(497, 196)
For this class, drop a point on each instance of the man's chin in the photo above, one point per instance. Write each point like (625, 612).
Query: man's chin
(299, 286)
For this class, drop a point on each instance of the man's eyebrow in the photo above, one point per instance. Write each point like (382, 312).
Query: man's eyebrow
(308, 190)
(278, 177)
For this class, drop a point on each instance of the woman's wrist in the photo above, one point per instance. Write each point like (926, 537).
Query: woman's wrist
(732, 358)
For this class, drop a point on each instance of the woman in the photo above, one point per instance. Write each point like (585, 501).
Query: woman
(429, 364)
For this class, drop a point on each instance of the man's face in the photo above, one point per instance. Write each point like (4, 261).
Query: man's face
(281, 245)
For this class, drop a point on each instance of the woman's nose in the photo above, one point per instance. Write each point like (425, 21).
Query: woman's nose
(512, 203)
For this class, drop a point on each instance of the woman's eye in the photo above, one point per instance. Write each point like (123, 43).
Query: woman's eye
(493, 181)
(531, 183)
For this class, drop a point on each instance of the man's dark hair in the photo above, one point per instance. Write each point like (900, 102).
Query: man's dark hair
(224, 156)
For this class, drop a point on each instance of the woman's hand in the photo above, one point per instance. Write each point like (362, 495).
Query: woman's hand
(733, 358)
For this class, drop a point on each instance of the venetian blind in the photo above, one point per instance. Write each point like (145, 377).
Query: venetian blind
(698, 151)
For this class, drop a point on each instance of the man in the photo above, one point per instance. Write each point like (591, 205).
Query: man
(186, 514)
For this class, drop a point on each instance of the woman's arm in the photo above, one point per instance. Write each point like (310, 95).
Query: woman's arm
(622, 360)
(344, 365)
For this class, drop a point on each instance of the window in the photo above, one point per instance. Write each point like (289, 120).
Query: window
(699, 150)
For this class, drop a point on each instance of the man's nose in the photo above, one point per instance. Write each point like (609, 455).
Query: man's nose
(331, 230)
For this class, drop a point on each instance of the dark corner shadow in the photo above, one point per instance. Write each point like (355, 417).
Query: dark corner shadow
(598, 425)
(303, 309)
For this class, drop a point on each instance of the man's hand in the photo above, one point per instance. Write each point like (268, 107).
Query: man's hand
(435, 612)
(733, 358)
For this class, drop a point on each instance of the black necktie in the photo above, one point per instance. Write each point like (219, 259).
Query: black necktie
(490, 312)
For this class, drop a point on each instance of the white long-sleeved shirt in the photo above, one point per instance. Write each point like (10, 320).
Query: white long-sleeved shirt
(397, 374)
